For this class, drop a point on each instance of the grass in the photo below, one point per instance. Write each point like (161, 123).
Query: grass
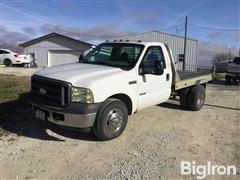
(13, 102)
(12, 86)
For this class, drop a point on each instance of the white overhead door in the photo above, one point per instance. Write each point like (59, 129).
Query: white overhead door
(56, 57)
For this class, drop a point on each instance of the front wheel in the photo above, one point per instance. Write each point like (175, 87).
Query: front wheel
(111, 119)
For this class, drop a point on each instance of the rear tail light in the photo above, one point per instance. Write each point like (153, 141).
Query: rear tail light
(17, 55)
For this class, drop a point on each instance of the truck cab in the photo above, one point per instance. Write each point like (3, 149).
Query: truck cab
(114, 80)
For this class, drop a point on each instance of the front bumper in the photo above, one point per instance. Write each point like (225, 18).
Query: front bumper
(75, 115)
(18, 62)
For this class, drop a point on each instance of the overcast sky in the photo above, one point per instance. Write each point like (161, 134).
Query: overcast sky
(26, 19)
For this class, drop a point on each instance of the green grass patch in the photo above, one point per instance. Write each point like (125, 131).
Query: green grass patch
(12, 86)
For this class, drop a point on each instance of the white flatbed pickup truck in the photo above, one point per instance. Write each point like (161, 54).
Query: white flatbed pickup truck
(114, 80)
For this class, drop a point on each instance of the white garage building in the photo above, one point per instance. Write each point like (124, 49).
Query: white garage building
(54, 49)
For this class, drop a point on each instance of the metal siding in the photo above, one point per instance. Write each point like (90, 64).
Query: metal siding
(41, 48)
(175, 43)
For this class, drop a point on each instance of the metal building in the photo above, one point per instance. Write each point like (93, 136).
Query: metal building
(176, 43)
(54, 49)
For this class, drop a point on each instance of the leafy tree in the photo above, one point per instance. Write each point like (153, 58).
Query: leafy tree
(222, 57)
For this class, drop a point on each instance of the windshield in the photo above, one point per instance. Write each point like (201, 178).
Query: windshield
(236, 60)
(121, 55)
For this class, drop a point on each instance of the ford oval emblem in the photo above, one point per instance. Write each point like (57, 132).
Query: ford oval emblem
(43, 91)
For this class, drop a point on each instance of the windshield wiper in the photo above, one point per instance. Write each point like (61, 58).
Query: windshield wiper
(105, 64)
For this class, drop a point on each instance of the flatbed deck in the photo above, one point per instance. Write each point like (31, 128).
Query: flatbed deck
(187, 79)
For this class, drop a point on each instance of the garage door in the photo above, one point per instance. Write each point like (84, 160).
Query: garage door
(56, 57)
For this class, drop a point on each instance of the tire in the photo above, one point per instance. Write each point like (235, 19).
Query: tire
(196, 97)
(7, 62)
(184, 98)
(227, 80)
(111, 119)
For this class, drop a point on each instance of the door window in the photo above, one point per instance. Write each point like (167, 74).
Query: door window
(2, 52)
(154, 53)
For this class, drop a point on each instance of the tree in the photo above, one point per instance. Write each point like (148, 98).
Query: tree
(222, 57)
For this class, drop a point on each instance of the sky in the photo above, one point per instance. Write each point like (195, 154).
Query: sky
(215, 23)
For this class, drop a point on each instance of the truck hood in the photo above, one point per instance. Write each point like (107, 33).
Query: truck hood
(78, 72)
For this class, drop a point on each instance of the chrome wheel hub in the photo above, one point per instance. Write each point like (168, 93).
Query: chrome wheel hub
(114, 120)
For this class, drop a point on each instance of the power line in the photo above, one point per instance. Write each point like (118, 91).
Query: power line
(110, 36)
(210, 28)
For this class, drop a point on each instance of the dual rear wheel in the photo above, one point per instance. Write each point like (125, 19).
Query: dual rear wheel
(193, 98)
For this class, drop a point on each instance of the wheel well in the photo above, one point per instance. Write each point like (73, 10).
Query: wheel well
(126, 99)
(7, 59)
(179, 91)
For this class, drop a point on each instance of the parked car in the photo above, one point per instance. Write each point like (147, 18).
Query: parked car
(233, 71)
(113, 81)
(9, 58)
(221, 67)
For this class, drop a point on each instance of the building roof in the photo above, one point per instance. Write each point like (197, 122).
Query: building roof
(160, 32)
(48, 36)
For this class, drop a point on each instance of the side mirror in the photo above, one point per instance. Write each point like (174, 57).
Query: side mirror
(152, 67)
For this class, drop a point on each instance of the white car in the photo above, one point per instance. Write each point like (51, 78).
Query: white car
(9, 58)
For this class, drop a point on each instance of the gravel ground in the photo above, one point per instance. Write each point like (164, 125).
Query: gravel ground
(154, 143)
(18, 71)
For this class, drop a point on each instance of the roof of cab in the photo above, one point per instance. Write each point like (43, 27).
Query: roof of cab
(145, 43)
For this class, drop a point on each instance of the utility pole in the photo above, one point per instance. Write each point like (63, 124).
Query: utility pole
(185, 44)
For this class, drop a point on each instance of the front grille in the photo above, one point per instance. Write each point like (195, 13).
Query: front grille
(50, 91)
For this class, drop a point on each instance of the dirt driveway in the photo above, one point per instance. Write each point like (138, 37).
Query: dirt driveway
(154, 143)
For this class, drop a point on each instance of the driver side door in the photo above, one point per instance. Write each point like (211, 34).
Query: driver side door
(154, 89)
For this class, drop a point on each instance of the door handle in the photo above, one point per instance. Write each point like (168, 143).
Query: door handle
(167, 76)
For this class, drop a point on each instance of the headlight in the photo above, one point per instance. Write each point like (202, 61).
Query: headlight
(81, 95)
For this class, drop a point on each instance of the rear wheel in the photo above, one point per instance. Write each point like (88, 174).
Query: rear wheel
(7, 62)
(184, 98)
(196, 97)
(111, 119)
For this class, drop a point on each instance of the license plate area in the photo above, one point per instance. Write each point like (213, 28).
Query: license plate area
(41, 114)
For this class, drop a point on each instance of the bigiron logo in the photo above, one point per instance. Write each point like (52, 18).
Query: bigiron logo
(202, 171)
